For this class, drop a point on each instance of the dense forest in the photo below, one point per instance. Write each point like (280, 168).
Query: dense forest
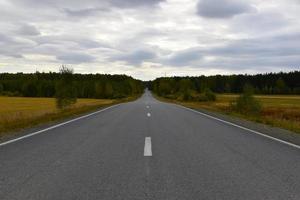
(269, 83)
(85, 85)
(118, 86)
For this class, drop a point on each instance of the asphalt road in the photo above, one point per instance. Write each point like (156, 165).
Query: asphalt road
(170, 153)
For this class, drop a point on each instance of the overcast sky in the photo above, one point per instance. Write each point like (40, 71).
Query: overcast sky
(150, 38)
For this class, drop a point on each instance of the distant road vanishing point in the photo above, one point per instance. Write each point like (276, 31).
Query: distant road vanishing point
(148, 149)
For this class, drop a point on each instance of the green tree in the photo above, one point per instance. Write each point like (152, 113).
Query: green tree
(227, 88)
(210, 96)
(29, 89)
(280, 86)
(108, 90)
(1, 88)
(65, 90)
(185, 88)
(185, 85)
(246, 103)
(164, 87)
(99, 90)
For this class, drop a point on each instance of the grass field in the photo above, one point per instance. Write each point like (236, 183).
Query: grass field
(278, 110)
(21, 112)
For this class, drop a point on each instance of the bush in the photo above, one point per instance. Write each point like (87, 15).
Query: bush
(185, 96)
(246, 102)
(207, 95)
(171, 96)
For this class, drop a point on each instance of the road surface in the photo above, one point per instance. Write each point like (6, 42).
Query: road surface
(147, 149)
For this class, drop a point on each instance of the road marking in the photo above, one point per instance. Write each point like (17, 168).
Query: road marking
(147, 106)
(148, 114)
(147, 148)
(241, 127)
(56, 126)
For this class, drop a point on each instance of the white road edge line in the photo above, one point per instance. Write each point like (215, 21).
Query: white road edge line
(241, 127)
(147, 148)
(55, 126)
(148, 114)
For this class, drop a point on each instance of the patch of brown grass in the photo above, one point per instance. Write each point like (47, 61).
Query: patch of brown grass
(286, 113)
(21, 112)
(278, 110)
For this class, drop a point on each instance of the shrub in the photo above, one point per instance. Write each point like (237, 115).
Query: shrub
(185, 96)
(246, 103)
(207, 95)
(170, 96)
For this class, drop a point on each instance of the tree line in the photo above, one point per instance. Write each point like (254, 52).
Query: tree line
(118, 86)
(77, 85)
(269, 83)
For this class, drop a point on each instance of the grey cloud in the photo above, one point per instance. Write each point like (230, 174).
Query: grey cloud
(5, 39)
(278, 45)
(222, 8)
(261, 64)
(84, 12)
(183, 58)
(56, 3)
(88, 5)
(13, 47)
(81, 42)
(12, 55)
(108, 31)
(134, 3)
(29, 30)
(136, 57)
(260, 23)
(57, 46)
(277, 51)
(91, 44)
(15, 55)
(75, 58)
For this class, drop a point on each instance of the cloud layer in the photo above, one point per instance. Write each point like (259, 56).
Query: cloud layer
(150, 38)
(222, 8)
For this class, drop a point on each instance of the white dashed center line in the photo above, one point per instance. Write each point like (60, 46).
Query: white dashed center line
(148, 114)
(148, 148)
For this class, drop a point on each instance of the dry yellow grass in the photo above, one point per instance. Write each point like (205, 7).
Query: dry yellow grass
(20, 112)
(278, 110)
(284, 101)
(27, 105)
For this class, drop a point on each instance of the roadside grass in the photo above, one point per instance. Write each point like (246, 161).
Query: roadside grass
(22, 112)
(277, 110)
